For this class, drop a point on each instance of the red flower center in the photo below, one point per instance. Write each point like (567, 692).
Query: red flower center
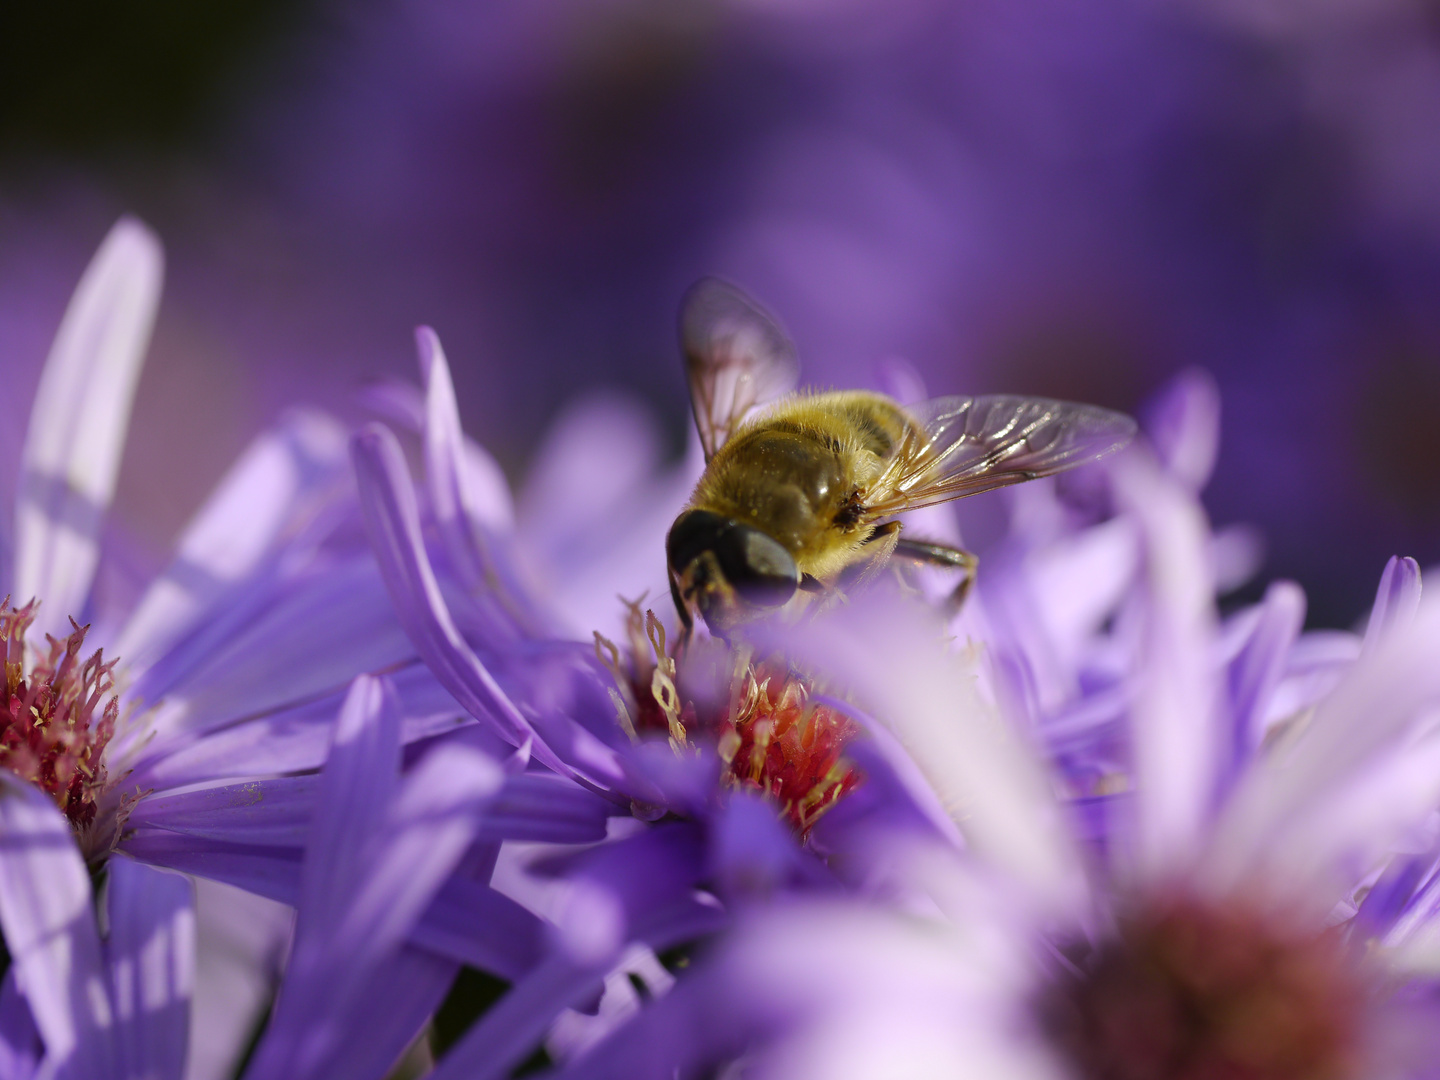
(1188, 990)
(57, 718)
(760, 716)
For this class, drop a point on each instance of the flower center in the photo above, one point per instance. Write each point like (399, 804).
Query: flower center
(1197, 991)
(770, 735)
(56, 720)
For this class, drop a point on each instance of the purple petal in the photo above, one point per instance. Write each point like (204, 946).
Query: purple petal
(1387, 806)
(294, 738)
(1395, 600)
(276, 812)
(435, 818)
(1392, 893)
(470, 501)
(1177, 743)
(49, 927)
(599, 451)
(1350, 775)
(313, 640)
(271, 872)
(352, 801)
(457, 501)
(471, 922)
(533, 806)
(507, 1033)
(272, 813)
(1236, 555)
(374, 864)
(901, 380)
(1184, 426)
(684, 784)
(1417, 919)
(281, 471)
(151, 949)
(396, 400)
(883, 745)
(394, 525)
(390, 1011)
(77, 425)
(466, 921)
(20, 1046)
(643, 872)
(1059, 598)
(753, 854)
(989, 780)
(1257, 669)
(596, 508)
(853, 987)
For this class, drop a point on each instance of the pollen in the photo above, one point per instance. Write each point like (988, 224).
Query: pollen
(1189, 990)
(760, 716)
(57, 716)
(777, 741)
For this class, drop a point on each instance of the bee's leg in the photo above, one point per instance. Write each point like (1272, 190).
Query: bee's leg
(942, 555)
(686, 623)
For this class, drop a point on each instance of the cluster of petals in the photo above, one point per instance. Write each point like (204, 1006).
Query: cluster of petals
(377, 701)
(1092, 739)
(1093, 731)
(1128, 797)
(232, 664)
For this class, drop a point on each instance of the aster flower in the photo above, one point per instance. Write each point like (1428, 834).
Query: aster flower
(725, 763)
(1249, 902)
(232, 663)
(477, 591)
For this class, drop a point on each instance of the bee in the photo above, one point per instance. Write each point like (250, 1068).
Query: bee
(810, 489)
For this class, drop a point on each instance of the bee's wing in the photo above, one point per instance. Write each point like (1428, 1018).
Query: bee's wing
(736, 357)
(966, 445)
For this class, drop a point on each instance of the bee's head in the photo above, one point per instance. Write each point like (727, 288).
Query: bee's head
(730, 571)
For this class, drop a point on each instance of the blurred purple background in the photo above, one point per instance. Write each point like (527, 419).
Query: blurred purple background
(1068, 198)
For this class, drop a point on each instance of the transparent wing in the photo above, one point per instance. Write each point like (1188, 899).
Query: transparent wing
(736, 357)
(963, 446)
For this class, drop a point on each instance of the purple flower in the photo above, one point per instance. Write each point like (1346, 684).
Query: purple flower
(232, 664)
(732, 780)
(1247, 899)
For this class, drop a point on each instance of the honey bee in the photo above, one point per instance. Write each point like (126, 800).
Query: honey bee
(797, 495)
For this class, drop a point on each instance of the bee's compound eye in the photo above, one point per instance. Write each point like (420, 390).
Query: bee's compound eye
(757, 566)
(694, 533)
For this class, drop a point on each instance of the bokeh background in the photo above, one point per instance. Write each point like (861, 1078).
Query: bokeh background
(1070, 197)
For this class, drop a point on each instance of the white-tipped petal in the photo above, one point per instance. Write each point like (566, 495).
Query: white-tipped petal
(1395, 600)
(1285, 803)
(985, 776)
(78, 423)
(465, 488)
(1173, 707)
